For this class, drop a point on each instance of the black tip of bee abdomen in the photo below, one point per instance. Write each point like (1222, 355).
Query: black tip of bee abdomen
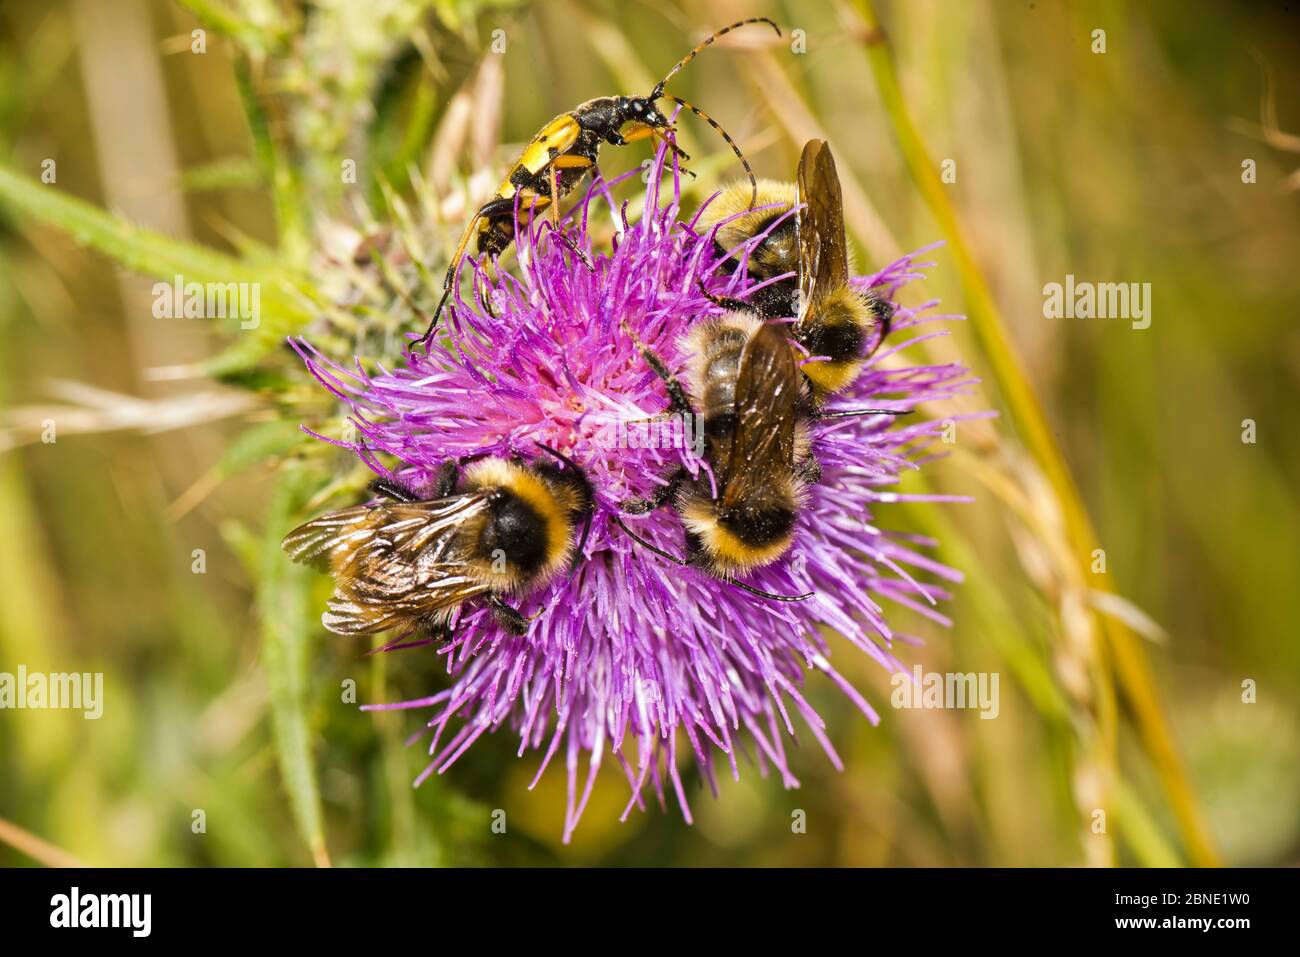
(840, 341)
(758, 526)
(518, 532)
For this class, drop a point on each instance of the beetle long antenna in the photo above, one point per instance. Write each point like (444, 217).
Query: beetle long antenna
(659, 88)
(753, 182)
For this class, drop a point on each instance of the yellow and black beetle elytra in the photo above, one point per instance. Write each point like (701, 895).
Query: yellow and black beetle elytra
(566, 149)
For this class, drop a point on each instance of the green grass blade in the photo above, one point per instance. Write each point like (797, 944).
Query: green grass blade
(1131, 665)
(288, 626)
(141, 250)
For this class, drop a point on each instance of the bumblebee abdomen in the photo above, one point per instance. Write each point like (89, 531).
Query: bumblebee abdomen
(839, 341)
(840, 327)
(744, 536)
(758, 526)
(715, 346)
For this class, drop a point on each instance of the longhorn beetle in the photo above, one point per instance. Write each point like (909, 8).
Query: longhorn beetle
(566, 149)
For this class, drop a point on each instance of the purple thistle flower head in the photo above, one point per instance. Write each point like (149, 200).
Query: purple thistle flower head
(633, 656)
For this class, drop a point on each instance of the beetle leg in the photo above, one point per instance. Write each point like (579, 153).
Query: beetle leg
(635, 132)
(555, 195)
(566, 161)
(572, 161)
(640, 131)
(451, 273)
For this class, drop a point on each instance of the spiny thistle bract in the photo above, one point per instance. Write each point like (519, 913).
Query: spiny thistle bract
(630, 649)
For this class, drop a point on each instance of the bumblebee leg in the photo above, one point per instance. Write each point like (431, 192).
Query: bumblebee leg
(440, 630)
(694, 548)
(677, 398)
(399, 493)
(508, 616)
(654, 548)
(640, 506)
(448, 476)
(697, 559)
(884, 313)
(849, 413)
(723, 302)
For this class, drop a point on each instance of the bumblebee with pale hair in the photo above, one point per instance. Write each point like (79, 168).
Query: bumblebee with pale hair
(500, 528)
(743, 376)
(839, 326)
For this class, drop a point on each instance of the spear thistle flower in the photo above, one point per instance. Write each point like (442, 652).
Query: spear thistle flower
(632, 655)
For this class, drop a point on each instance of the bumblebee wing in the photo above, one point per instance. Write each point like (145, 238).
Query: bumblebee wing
(767, 386)
(823, 249)
(315, 543)
(551, 140)
(368, 531)
(391, 563)
(405, 593)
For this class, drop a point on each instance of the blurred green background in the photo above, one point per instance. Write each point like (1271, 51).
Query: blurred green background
(1117, 166)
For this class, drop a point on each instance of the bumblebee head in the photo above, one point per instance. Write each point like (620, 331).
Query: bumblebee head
(642, 109)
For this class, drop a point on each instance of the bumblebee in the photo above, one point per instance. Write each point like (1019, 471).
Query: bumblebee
(834, 321)
(744, 377)
(499, 528)
(565, 150)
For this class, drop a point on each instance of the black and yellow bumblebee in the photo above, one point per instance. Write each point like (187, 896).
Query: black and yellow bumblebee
(499, 528)
(566, 149)
(744, 378)
(834, 321)
(756, 406)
